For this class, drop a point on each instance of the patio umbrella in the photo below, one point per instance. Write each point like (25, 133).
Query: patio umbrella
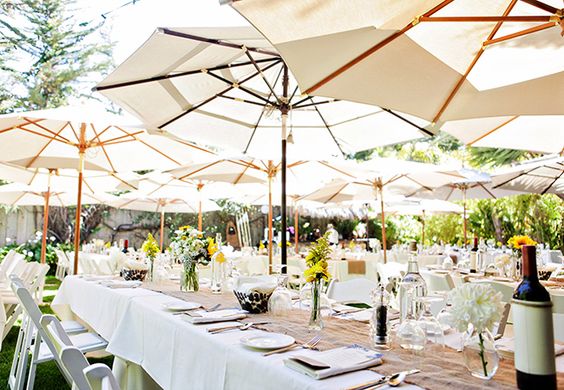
(540, 176)
(228, 87)
(537, 133)
(438, 59)
(84, 138)
(398, 177)
(474, 185)
(18, 194)
(189, 202)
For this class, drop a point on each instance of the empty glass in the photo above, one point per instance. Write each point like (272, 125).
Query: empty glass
(433, 330)
(280, 302)
(409, 334)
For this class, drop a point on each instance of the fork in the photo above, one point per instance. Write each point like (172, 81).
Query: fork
(213, 308)
(309, 345)
(243, 326)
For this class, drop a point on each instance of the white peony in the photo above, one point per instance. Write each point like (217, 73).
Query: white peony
(477, 304)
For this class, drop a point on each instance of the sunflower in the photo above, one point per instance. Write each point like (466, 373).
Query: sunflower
(517, 242)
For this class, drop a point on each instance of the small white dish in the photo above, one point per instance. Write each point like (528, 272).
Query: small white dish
(180, 305)
(268, 341)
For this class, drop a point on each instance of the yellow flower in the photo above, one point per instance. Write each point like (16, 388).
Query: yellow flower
(220, 258)
(150, 247)
(317, 272)
(261, 245)
(108, 245)
(185, 227)
(212, 246)
(518, 241)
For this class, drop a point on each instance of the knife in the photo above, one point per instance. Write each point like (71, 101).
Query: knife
(380, 381)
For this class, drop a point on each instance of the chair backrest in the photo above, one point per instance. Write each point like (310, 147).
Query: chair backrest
(437, 282)
(351, 291)
(558, 316)
(389, 270)
(100, 377)
(18, 265)
(6, 264)
(505, 289)
(62, 258)
(75, 362)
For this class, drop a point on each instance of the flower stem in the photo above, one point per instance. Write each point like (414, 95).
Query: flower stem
(482, 354)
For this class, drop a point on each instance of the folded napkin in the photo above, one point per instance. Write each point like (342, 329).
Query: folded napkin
(334, 361)
(204, 317)
(260, 284)
(120, 283)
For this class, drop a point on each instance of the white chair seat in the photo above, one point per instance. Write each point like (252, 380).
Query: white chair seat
(73, 327)
(85, 342)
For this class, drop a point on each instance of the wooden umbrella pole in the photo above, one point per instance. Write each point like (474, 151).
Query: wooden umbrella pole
(47, 196)
(464, 215)
(269, 218)
(162, 229)
(423, 228)
(78, 211)
(296, 227)
(200, 215)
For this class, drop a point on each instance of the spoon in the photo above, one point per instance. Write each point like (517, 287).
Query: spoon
(394, 381)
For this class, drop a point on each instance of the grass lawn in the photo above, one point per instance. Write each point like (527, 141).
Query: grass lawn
(48, 376)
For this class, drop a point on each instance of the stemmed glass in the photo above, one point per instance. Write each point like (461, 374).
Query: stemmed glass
(430, 325)
(280, 302)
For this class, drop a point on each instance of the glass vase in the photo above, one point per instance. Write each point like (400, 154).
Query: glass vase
(480, 355)
(189, 278)
(315, 319)
(218, 275)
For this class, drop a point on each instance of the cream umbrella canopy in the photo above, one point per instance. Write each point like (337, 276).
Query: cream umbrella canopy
(84, 138)
(437, 59)
(18, 194)
(537, 133)
(229, 88)
(541, 176)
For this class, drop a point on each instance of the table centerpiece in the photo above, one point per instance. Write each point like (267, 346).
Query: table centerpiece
(317, 273)
(150, 248)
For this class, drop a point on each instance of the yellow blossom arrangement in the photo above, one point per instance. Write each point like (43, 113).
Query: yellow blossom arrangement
(316, 260)
(150, 247)
(516, 242)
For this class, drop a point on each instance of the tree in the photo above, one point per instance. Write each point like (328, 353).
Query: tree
(53, 53)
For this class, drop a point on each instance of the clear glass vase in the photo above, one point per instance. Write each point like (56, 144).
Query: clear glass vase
(315, 319)
(218, 275)
(480, 355)
(189, 281)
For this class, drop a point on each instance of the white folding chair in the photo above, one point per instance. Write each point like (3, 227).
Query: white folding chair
(100, 377)
(75, 362)
(558, 316)
(351, 291)
(6, 264)
(390, 270)
(63, 264)
(36, 342)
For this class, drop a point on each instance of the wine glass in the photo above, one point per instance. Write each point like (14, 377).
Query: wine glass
(409, 334)
(280, 302)
(433, 330)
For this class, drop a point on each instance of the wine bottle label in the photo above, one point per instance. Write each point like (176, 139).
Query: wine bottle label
(473, 260)
(534, 339)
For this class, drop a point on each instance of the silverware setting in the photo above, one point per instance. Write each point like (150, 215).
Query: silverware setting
(240, 326)
(311, 344)
(213, 308)
(392, 380)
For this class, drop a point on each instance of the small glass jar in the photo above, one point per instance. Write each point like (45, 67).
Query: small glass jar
(379, 328)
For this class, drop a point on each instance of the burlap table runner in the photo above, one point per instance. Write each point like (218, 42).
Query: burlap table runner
(445, 370)
(357, 267)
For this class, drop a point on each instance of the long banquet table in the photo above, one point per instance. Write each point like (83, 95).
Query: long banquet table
(178, 355)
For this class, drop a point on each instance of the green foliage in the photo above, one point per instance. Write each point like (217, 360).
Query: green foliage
(56, 47)
(494, 157)
(445, 228)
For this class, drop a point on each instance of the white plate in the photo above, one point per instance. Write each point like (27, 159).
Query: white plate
(268, 341)
(180, 305)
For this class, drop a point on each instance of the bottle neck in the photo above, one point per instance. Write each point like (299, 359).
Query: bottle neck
(529, 262)
(412, 266)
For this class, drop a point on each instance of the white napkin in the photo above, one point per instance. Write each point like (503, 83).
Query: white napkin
(121, 283)
(135, 265)
(506, 347)
(260, 284)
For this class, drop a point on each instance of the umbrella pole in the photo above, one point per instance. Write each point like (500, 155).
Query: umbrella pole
(464, 216)
(78, 208)
(47, 196)
(296, 224)
(269, 219)
(383, 223)
(200, 215)
(284, 108)
(423, 228)
(162, 229)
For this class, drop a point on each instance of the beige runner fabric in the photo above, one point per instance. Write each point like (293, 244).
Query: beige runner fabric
(440, 371)
(357, 267)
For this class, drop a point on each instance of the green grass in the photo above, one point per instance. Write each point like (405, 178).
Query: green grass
(48, 376)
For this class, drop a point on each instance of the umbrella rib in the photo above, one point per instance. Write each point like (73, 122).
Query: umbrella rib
(114, 175)
(293, 93)
(541, 5)
(103, 131)
(57, 134)
(213, 97)
(244, 89)
(551, 184)
(123, 138)
(200, 169)
(84, 181)
(492, 130)
(261, 115)
(241, 175)
(181, 74)
(315, 103)
(74, 132)
(242, 100)
(523, 173)
(488, 191)
(97, 136)
(272, 92)
(487, 19)
(477, 56)
(329, 129)
(148, 145)
(336, 193)
(517, 34)
(336, 169)
(374, 48)
(422, 129)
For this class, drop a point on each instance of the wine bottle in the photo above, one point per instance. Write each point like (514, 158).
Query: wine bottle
(474, 256)
(125, 245)
(535, 363)
(412, 286)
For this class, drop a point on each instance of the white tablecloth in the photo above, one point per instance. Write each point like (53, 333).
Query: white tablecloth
(179, 355)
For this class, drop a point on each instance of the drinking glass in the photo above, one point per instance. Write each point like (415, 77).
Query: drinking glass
(434, 333)
(409, 334)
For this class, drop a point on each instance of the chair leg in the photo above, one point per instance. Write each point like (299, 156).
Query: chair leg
(19, 377)
(33, 364)
(18, 354)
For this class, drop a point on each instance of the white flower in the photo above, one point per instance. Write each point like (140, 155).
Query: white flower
(30, 254)
(52, 238)
(38, 234)
(502, 260)
(477, 304)
(8, 239)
